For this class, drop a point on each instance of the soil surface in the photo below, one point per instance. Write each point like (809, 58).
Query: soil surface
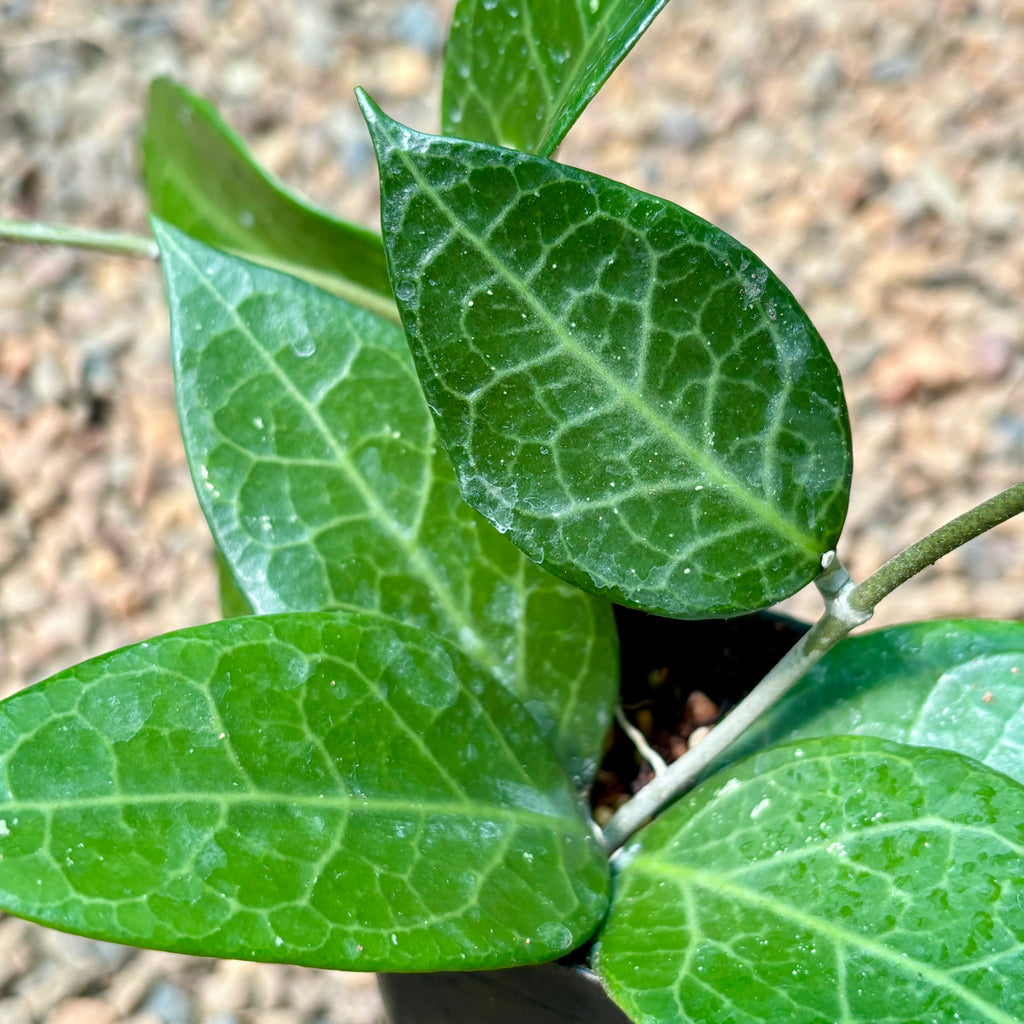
(871, 153)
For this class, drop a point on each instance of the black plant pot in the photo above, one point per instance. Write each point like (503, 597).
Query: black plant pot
(723, 658)
(548, 994)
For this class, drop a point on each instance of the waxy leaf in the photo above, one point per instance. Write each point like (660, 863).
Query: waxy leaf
(622, 387)
(328, 789)
(848, 879)
(202, 179)
(519, 72)
(318, 469)
(957, 684)
(233, 602)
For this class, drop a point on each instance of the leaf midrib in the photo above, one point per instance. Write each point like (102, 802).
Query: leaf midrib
(559, 103)
(767, 513)
(345, 804)
(478, 650)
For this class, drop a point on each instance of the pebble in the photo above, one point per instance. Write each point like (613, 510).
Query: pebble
(995, 353)
(419, 25)
(700, 709)
(84, 1011)
(894, 70)
(822, 81)
(697, 735)
(683, 128)
(169, 1003)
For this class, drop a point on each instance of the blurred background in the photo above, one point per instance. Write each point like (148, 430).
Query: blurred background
(871, 153)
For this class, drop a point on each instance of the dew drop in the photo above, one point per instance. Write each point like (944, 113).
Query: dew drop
(303, 346)
(555, 935)
(406, 290)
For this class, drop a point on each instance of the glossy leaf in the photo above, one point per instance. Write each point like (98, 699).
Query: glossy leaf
(202, 179)
(848, 879)
(328, 789)
(518, 73)
(957, 684)
(233, 602)
(622, 387)
(317, 466)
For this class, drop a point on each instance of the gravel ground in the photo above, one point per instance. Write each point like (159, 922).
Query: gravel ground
(872, 153)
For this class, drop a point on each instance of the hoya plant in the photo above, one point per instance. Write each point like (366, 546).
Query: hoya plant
(431, 461)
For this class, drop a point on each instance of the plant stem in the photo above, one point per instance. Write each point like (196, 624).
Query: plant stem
(683, 773)
(910, 561)
(846, 605)
(115, 243)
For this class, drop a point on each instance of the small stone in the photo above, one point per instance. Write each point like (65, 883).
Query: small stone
(83, 1011)
(894, 70)
(223, 989)
(698, 734)
(683, 129)
(47, 382)
(823, 80)
(15, 1011)
(418, 25)
(700, 708)
(169, 1003)
(410, 71)
(278, 1015)
(922, 365)
(994, 354)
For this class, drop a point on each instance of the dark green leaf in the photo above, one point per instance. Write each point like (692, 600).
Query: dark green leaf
(957, 684)
(233, 602)
(327, 789)
(847, 879)
(622, 387)
(202, 179)
(519, 72)
(318, 469)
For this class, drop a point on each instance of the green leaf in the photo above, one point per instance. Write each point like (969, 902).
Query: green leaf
(318, 469)
(957, 684)
(518, 73)
(849, 880)
(328, 789)
(622, 387)
(202, 179)
(233, 603)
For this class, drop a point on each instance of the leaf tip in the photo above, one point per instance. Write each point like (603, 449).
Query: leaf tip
(385, 131)
(372, 114)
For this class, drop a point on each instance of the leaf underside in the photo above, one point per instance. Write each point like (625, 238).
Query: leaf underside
(518, 73)
(847, 880)
(318, 469)
(201, 178)
(957, 684)
(622, 387)
(327, 789)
